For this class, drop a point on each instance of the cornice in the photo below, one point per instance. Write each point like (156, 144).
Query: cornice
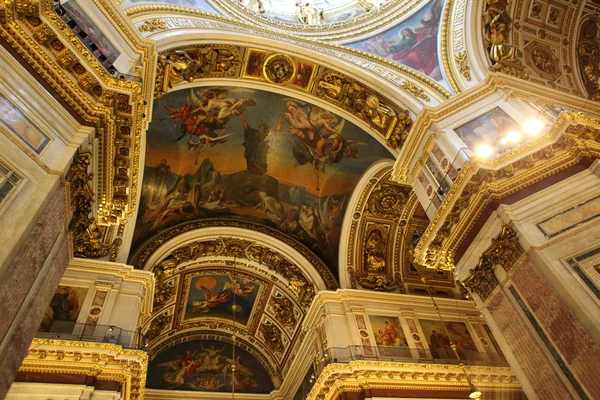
(112, 105)
(104, 361)
(357, 376)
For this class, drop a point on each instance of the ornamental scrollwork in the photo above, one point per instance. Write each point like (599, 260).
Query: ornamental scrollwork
(164, 291)
(157, 326)
(153, 25)
(284, 310)
(387, 200)
(345, 92)
(180, 65)
(380, 282)
(503, 55)
(87, 234)
(588, 54)
(504, 251)
(462, 62)
(272, 337)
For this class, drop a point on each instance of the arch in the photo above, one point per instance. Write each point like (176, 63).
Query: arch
(353, 214)
(185, 29)
(161, 245)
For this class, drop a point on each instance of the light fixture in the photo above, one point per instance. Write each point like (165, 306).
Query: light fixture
(503, 141)
(110, 329)
(513, 136)
(533, 127)
(473, 392)
(484, 151)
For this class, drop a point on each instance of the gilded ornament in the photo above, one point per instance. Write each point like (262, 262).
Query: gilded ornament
(27, 7)
(153, 25)
(272, 337)
(98, 361)
(462, 62)
(187, 64)
(87, 234)
(380, 282)
(414, 90)
(504, 251)
(157, 326)
(503, 55)
(541, 58)
(284, 310)
(352, 273)
(279, 69)
(375, 250)
(387, 200)
(345, 92)
(588, 55)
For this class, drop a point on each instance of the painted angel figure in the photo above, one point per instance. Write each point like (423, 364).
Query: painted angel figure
(242, 289)
(241, 377)
(178, 370)
(315, 139)
(210, 300)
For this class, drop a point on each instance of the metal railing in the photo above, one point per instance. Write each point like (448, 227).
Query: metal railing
(407, 354)
(66, 330)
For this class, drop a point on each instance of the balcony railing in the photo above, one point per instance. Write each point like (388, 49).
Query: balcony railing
(407, 354)
(66, 330)
(343, 355)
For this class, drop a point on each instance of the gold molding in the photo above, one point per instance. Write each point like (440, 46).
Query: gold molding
(112, 105)
(505, 250)
(476, 187)
(357, 376)
(104, 361)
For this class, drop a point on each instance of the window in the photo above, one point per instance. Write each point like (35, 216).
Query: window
(9, 180)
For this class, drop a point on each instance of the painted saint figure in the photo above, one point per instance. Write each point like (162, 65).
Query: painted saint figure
(256, 142)
(158, 181)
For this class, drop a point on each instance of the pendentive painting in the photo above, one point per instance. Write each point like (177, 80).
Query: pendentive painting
(64, 309)
(213, 295)
(235, 152)
(440, 342)
(206, 365)
(412, 43)
(487, 129)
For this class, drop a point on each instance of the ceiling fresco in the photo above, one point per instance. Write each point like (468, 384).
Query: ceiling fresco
(205, 365)
(220, 296)
(261, 156)
(413, 42)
